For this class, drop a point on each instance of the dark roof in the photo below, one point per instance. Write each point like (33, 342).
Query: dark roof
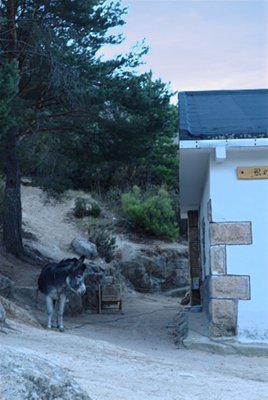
(226, 114)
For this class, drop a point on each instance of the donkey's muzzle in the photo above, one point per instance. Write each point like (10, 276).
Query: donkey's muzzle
(81, 290)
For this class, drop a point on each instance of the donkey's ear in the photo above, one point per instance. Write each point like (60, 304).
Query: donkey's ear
(81, 260)
(83, 267)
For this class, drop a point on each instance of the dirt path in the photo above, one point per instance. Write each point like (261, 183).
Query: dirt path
(132, 357)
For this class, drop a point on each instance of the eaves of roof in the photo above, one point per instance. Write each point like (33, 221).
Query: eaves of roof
(223, 115)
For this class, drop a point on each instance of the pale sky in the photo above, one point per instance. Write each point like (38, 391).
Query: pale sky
(201, 44)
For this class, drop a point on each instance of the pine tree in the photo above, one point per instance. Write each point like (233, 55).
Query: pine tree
(55, 45)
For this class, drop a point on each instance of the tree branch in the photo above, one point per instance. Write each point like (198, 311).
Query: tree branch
(52, 129)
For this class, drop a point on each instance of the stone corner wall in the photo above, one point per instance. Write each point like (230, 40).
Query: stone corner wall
(223, 293)
(222, 290)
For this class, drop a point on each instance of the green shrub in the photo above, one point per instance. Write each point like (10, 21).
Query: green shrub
(105, 242)
(85, 208)
(80, 207)
(132, 205)
(152, 212)
(95, 210)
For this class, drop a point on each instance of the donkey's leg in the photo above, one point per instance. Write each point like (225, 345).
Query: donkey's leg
(50, 308)
(61, 305)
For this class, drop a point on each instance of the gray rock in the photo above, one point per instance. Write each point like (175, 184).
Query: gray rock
(84, 248)
(15, 311)
(25, 294)
(2, 314)
(180, 327)
(135, 272)
(25, 376)
(5, 286)
(156, 270)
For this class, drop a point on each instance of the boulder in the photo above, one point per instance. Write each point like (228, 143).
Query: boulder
(135, 272)
(180, 327)
(156, 270)
(25, 295)
(5, 286)
(2, 314)
(14, 311)
(84, 248)
(27, 376)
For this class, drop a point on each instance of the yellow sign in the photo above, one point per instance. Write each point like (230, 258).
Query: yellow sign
(252, 172)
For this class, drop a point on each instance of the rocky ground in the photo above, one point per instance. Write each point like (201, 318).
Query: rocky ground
(129, 356)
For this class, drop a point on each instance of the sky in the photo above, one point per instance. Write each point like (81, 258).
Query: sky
(201, 44)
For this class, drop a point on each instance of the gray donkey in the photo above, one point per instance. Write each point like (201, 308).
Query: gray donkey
(56, 279)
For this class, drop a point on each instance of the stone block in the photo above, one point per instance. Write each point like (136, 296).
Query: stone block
(220, 330)
(221, 310)
(223, 317)
(218, 260)
(231, 233)
(229, 287)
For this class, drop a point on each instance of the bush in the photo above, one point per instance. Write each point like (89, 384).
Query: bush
(151, 212)
(95, 210)
(85, 208)
(105, 242)
(132, 205)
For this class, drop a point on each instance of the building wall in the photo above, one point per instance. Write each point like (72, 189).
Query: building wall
(244, 203)
(204, 226)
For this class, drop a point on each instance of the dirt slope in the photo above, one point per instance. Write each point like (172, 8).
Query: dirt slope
(129, 356)
(47, 219)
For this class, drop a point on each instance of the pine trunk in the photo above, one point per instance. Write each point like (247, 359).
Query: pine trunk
(12, 219)
(12, 232)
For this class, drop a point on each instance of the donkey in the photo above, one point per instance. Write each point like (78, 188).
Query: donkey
(56, 279)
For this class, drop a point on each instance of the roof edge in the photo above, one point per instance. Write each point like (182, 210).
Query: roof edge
(222, 91)
(198, 144)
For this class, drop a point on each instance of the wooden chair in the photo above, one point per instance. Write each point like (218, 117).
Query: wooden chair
(109, 297)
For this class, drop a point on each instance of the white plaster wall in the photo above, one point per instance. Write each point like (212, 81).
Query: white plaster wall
(245, 200)
(203, 214)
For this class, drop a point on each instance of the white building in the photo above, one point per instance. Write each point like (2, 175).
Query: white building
(223, 139)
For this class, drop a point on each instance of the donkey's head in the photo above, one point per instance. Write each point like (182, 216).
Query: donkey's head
(75, 278)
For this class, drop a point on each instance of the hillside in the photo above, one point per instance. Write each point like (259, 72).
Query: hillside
(130, 356)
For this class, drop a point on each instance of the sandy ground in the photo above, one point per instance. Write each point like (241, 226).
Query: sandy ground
(133, 357)
(128, 356)
(47, 218)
